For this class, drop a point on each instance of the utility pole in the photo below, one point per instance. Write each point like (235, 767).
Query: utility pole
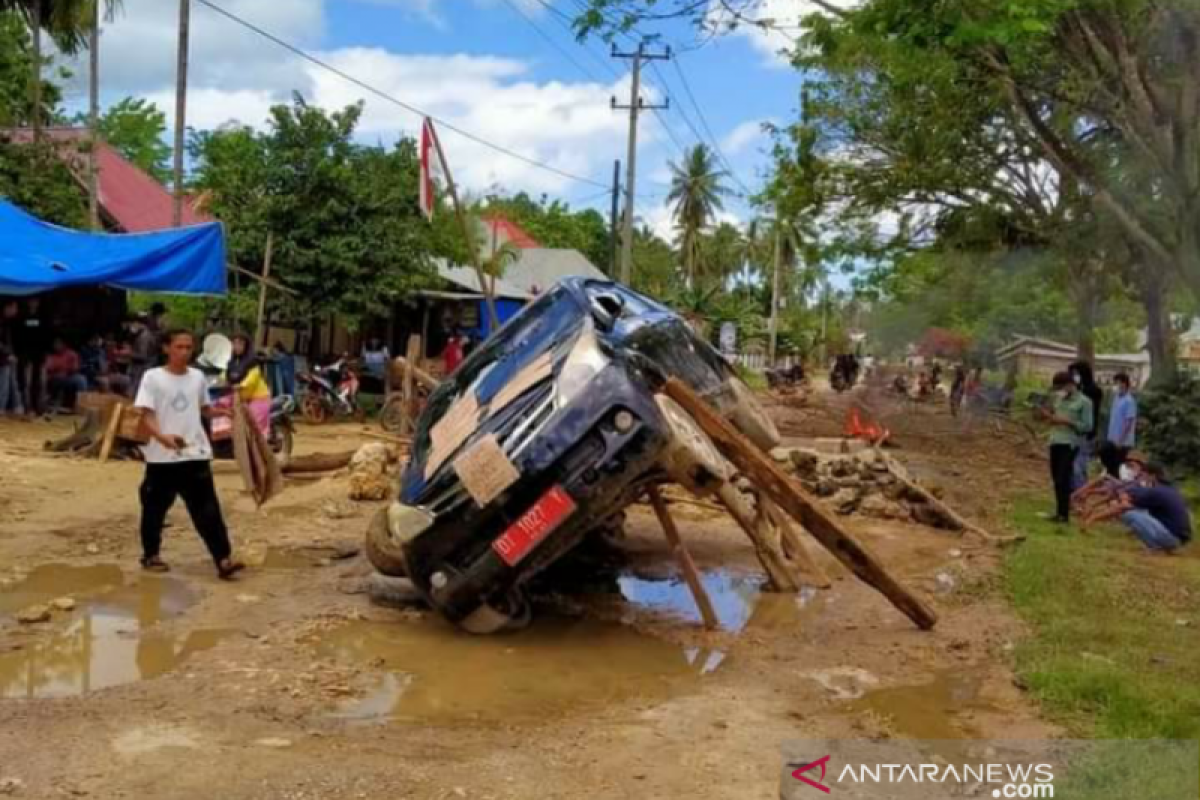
(35, 87)
(181, 70)
(636, 104)
(612, 219)
(94, 121)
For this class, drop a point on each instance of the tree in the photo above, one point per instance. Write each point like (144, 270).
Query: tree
(656, 272)
(136, 127)
(349, 239)
(696, 191)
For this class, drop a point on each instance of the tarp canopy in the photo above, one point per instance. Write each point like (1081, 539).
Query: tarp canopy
(36, 256)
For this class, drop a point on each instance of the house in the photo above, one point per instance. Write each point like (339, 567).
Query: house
(1031, 356)
(1187, 341)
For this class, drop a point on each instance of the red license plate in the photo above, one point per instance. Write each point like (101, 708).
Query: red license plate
(534, 525)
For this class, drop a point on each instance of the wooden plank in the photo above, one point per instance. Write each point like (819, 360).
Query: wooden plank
(423, 377)
(110, 433)
(794, 546)
(690, 574)
(770, 555)
(408, 391)
(789, 496)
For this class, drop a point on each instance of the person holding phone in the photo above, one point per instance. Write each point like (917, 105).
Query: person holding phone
(1070, 416)
(173, 399)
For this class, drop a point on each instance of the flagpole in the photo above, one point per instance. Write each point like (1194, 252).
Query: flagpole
(466, 229)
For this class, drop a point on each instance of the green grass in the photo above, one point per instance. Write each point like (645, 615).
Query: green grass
(753, 378)
(1106, 656)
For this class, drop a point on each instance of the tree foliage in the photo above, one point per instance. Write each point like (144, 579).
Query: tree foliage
(348, 238)
(553, 224)
(697, 192)
(136, 128)
(1170, 424)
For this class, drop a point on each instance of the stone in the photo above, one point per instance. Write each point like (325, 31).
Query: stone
(842, 467)
(845, 501)
(956, 553)
(34, 614)
(876, 505)
(64, 604)
(946, 582)
(826, 488)
(805, 463)
(781, 455)
(926, 515)
(93, 549)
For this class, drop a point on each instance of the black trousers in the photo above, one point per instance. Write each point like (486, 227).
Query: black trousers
(1062, 469)
(1112, 457)
(193, 480)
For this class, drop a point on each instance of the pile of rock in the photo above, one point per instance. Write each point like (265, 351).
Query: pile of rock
(860, 480)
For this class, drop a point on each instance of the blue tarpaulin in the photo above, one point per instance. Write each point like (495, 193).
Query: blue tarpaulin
(36, 256)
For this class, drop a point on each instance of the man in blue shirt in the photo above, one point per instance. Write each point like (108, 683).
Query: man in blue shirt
(1155, 512)
(1122, 426)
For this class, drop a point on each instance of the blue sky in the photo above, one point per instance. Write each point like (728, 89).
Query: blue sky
(480, 64)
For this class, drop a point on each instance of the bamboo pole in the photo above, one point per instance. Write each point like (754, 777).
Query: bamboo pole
(690, 574)
(260, 331)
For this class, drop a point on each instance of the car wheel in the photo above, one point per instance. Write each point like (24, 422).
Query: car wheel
(489, 619)
(382, 551)
(751, 418)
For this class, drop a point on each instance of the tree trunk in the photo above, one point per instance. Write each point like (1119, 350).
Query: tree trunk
(1085, 287)
(1160, 339)
(35, 82)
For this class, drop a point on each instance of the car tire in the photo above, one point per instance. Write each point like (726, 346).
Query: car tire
(488, 619)
(691, 458)
(749, 417)
(382, 551)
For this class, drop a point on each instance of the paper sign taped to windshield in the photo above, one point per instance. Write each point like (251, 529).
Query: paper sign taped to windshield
(485, 471)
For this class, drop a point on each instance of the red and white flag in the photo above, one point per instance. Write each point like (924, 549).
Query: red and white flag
(427, 195)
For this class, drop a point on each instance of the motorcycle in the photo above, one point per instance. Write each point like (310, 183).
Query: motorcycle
(785, 377)
(330, 391)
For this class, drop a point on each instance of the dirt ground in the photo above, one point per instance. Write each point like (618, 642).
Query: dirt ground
(289, 683)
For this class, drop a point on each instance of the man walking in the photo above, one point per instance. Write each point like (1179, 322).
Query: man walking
(178, 456)
(1122, 426)
(1071, 418)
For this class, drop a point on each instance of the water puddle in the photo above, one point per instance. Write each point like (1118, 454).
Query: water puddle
(928, 711)
(433, 673)
(109, 639)
(737, 598)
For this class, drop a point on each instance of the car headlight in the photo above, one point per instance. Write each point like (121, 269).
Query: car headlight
(583, 364)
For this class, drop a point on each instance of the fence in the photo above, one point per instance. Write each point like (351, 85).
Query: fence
(759, 361)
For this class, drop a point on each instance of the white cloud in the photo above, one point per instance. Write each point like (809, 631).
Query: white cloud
(742, 136)
(781, 19)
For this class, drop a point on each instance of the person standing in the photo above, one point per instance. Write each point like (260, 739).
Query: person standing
(1071, 418)
(64, 379)
(958, 389)
(1122, 426)
(179, 456)
(10, 390)
(31, 343)
(1082, 374)
(144, 344)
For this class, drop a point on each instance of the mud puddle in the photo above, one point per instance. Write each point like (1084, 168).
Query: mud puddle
(559, 665)
(937, 710)
(738, 599)
(108, 639)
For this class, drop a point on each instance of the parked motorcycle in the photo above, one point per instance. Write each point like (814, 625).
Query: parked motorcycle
(281, 439)
(330, 391)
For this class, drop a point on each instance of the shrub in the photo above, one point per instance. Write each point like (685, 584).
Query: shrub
(1169, 428)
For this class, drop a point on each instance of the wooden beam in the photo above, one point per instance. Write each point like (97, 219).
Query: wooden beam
(110, 433)
(789, 496)
(690, 574)
(794, 547)
(407, 389)
(423, 377)
(769, 553)
(260, 337)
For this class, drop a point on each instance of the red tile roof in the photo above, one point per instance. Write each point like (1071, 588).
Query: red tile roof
(129, 196)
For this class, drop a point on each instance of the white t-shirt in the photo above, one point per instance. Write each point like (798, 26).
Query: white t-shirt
(176, 401)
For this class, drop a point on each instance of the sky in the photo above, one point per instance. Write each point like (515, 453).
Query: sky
(507, 71)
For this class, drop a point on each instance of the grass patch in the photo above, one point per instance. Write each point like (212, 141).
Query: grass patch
(753, 378)
(1107, 656)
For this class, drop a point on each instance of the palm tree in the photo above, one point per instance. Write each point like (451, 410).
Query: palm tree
(68, 22)
(697, 192)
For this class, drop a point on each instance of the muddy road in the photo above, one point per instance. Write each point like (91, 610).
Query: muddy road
(289, 683)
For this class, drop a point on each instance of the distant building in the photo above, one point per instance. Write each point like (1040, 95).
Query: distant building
(1034, 357)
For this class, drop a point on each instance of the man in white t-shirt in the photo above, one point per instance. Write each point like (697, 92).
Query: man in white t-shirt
(179, 456)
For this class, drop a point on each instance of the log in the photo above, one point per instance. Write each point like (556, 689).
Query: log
(318, 462)
(794, 547)
(789, 496)
(690, 574)
(952, 518)
(390, 438)
(770, 554)
(110, 434)
(423, 377)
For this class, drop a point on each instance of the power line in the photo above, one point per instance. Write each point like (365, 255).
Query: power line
(394, 100)
(565, 54)
(707, 129)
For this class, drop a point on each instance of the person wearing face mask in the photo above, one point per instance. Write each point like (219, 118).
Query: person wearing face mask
(1085, 381)
(1104, 488)
(1122, 426)
(1071, 419)
(1153, 510)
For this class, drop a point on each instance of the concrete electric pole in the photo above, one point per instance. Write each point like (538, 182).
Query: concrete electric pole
(636, 105)
(181, 71)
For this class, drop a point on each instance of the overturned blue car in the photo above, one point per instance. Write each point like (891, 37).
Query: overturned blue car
(541, 438)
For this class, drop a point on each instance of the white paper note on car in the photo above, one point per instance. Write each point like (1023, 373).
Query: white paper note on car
(485, 470)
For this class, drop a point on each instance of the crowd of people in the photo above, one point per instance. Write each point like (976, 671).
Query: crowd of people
(1130, 488)
(42, 372)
